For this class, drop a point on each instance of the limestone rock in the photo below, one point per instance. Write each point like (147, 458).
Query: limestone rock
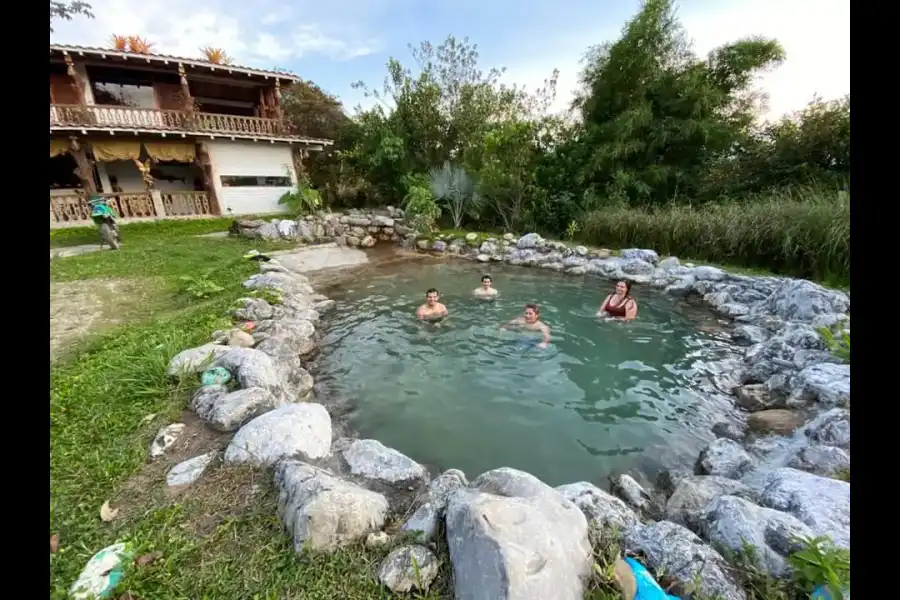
(252, 368)
(292, 430)
(822, 503)
(165, 438)
(377, 539)
(754, 397)
(604, 510)
(195, 360)
(777, 420)
(725, 458)
(625, 487)
(227, 412)
(408, 568)
(254, 309)
(693, 494)
(648, 256)
(189, 471)
(505, 547)
(828, 461)
(827, 383)
(831, 427)
(729, 430)
(801, 300)
(319, 509)
(373, 460)
(426, 519)
(240, 339)
(730, 522)
(681, 554)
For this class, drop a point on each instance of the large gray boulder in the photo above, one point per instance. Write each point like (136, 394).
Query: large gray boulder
(731, 522)
(373, 460)
(693, 494)
(253, 369)
(195, 360)
(294, 430)
(828, 461)
(513, 537)
(831, 427)
(801, 300)
(424, 522)
(820, 502)
(604, 510)
(725, 458)
(681, 554)
(825, 383)
(323, 511)
(225, 411)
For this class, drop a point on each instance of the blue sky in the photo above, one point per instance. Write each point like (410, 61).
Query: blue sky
(337, 42)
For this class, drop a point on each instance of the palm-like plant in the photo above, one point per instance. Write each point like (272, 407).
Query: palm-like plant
(120, 42)
(216, 56)
(453, 188)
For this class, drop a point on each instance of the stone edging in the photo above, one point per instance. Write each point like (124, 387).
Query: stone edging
(336, 492)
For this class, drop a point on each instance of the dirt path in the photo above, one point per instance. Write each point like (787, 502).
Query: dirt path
(80, 308)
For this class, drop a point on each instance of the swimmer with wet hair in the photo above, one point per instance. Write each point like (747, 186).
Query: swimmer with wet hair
(531, 321)
(432, 310)
(486, 291)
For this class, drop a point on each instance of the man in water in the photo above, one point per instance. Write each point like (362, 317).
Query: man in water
(531, 321)
(432, 310)
(487, 291)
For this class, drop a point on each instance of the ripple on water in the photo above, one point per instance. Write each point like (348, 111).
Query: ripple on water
(605, 396)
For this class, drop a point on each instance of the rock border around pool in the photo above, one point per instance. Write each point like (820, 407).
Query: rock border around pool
(504, 522)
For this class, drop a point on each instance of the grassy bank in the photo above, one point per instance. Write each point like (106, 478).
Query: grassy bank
(804, 233)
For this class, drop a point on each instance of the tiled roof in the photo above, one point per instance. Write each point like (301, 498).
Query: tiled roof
(167, 58)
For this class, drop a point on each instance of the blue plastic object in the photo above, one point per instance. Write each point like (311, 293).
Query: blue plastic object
(647, 588)
(822, 593)
(215, 376)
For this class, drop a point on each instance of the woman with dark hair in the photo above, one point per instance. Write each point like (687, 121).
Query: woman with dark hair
(619, 305)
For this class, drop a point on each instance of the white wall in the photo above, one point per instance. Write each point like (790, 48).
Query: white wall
(249, 159)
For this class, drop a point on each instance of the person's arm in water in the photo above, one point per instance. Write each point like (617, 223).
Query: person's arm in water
(516, 321)
(545, 331)
(444, 311)
(602, 311)
(630, 310)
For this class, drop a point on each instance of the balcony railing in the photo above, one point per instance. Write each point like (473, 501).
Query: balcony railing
(71, 209)
(152, 119)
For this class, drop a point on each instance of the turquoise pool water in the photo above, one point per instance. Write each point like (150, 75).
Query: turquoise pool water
(604, 397)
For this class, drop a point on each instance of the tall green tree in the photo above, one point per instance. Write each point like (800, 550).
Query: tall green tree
(654, 115)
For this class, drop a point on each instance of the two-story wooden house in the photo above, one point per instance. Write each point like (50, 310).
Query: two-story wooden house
(166, 137)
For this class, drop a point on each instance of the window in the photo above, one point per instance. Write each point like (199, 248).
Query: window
(255, 181)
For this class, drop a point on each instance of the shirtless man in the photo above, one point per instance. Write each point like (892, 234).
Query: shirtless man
(432, 310)
(531, 321)
(487, 291)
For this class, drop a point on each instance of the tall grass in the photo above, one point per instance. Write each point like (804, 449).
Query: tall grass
(800, 232)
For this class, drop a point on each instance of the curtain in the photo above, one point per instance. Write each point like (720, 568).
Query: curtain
(58, 147)
(116, 150)
(171, 151)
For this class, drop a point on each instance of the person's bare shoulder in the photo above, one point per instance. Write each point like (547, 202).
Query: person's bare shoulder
(443, 308)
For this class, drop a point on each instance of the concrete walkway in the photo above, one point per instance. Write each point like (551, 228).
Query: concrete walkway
(319, 257)
(74, 250)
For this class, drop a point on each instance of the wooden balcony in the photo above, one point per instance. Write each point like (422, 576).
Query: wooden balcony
(72, 210)
(124, 118)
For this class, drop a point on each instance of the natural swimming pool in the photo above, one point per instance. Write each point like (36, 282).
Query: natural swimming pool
(604, 397)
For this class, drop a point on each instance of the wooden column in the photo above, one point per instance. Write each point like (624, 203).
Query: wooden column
(84, 168)
(209, 177)
(186, 99)
(75, 81)
(263, 106)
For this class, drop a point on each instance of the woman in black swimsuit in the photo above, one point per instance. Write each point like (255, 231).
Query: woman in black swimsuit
(619, 305)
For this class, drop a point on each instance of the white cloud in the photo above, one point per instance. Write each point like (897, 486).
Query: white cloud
(247, 37)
